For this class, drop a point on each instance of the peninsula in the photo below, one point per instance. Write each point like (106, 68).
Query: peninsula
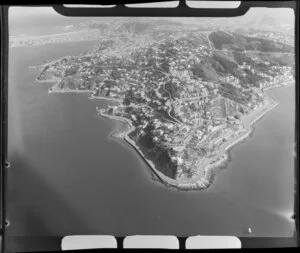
(187, 95)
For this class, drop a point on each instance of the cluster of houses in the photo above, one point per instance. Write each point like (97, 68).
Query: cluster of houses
(283, 74)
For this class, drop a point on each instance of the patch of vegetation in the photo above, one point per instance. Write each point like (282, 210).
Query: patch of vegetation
(223, 63)
(239, 42)
(205, 71)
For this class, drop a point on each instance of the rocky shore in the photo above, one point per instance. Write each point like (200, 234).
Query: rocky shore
(92, 96)
(201, 181)
(51, 90)
(56, 80)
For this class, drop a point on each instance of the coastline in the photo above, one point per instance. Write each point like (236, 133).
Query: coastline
(56, 81)
(57, 38)
(250, 125)
(68, 91)
(181, 185)
(284, 84)
(224, 155)
(37, 67)
(204, 179)
(199, 182)
(92, 96)
(126, 138)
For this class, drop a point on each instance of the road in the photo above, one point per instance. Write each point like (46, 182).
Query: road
(191, 98)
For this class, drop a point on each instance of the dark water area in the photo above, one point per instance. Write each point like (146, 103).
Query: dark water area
(68, 176)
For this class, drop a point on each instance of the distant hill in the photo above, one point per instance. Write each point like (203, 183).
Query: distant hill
(136, 27)
(98, 25)
(234, 41)
(165, 21)
(195, 39)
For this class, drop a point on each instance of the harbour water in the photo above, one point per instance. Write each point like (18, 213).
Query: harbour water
(68, 176)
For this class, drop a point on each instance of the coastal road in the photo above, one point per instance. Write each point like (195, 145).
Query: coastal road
(211, 47)
(191, 98)
(201, 181)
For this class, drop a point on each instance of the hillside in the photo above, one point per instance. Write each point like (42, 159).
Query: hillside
(234, 41)
(135, 27)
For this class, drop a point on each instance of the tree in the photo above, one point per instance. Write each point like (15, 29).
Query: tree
(110, 110)
(115, 73)
(129, 97)
(241, 110)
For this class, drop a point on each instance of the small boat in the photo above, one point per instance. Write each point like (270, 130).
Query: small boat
(249, 231)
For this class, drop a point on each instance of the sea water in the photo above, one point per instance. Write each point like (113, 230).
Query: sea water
(68, 176)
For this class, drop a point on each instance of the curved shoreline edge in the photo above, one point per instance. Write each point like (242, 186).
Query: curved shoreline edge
(92, 96)
(200, 182)
(124, 135)
(56, 81)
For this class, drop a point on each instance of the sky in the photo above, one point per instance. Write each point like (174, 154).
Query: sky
(35, 18)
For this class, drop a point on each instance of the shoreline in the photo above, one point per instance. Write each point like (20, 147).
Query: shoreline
(58, 38)
(250, 125)
(38, 67)
(283, 85)
(68, 91)
(200, 182)
(203, 183)
(224, 155)
(56, 81)
(204, 179)
(92, 96)
(124, 136)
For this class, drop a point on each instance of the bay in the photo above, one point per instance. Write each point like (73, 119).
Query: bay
(68, 176)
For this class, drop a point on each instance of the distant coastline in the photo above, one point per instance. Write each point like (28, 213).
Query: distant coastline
(65, 36)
